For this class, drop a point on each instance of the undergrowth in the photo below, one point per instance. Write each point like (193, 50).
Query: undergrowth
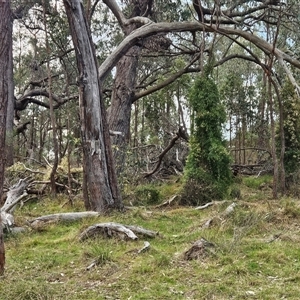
(256, 253)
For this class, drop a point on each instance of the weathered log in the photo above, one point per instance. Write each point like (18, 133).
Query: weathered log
(15, 194)
(229, 210)
(111, 229)
(142, 231)
(72, 216)
(107, 230)
(15, 230)
(7, 220)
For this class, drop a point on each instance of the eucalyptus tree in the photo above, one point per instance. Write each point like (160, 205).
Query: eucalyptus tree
(5, 48)
(103, 192)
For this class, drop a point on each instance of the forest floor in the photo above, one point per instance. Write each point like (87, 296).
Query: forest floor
(256, 253)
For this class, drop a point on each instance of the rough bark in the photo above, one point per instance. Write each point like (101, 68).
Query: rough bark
(124, 86)
(51, 111)
(10, 108)
(5, 37)
(100, 173)
(121, 100)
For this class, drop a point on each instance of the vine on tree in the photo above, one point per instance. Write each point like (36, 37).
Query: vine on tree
(291, 128)
(207, 174)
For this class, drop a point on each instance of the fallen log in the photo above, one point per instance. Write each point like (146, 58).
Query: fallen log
(15, 194)
(107, 230)
(142, 231)
(111, 229)
(71, 216)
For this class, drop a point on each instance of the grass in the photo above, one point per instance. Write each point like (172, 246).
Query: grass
(256, 255)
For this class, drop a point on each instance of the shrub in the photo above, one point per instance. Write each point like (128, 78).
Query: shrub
(207, 174)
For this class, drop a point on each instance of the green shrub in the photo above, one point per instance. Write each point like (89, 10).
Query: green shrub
(207, 174)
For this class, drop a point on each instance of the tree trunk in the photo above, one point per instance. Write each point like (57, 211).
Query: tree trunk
(123, 90)
(10, 108)
(98, 163)
(273, 142)
(51, 112)
(6, 41)
(120, 109)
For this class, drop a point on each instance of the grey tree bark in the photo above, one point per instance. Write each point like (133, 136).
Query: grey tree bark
(10, 109)
(5, 45)
(103, 191)
(120, 110)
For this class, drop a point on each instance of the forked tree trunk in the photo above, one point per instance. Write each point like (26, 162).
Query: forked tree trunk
(98, 163)
(6, 40)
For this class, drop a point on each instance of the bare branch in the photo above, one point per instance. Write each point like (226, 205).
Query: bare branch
(154, 28)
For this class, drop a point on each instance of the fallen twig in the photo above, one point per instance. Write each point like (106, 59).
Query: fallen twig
(168, 202)
(145, 248)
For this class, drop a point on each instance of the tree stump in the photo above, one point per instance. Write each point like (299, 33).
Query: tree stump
(199, 250)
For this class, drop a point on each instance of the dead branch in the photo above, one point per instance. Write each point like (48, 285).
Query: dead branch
(11, 206)
(179, 134)
(145, 248)
(7, 220)
(204, 206)
(220, 217)
(210, 204)
(168, 202)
